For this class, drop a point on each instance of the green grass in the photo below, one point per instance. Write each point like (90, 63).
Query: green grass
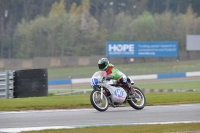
(172, 98)
(128, 69)
(50, 102)
(165, 128)
(82, 101)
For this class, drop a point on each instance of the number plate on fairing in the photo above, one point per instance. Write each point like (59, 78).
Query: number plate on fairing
(118, 94)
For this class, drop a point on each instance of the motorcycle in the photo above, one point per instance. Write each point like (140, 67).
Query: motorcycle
(110, 92)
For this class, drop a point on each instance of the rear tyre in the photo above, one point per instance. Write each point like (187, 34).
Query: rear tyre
(138, 101)
(98, 103)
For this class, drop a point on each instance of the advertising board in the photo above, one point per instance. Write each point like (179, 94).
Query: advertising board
(142, 49)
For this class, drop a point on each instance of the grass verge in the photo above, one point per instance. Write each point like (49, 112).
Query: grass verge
(128, 69)
(165, 128)
(82, 101)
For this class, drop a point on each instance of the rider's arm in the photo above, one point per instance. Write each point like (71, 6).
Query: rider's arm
(108, 77)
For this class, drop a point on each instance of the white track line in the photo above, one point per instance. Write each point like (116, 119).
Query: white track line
(42, 111)
(18, 130)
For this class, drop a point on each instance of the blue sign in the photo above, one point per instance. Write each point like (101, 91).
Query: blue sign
(141, 49)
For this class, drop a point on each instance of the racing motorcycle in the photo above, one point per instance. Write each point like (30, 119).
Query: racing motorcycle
(110, 92)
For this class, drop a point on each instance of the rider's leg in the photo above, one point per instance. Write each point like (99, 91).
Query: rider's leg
(132, 91)
(125, 83)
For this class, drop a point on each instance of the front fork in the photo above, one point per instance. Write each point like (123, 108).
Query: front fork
(101, 93)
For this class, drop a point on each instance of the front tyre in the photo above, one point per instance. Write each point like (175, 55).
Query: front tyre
(98, 103)
(138, 101)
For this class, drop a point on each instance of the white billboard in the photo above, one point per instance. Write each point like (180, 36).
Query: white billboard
(193, 42)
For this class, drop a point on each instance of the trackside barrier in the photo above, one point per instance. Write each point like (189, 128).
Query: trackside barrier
(30, 83)
(171, 75)
(136, 77)
(59, 82)
(6, 84)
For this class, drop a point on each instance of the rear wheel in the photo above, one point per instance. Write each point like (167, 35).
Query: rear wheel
(98, 103)
(138, 101)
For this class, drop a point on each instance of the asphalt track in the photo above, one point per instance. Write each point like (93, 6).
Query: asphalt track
(35, 120)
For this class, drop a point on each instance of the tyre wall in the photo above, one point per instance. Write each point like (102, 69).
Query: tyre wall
(30, 83)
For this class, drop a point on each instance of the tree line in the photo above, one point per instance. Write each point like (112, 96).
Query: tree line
(43, 28)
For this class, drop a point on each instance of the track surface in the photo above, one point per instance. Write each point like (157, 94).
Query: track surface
(91, 117)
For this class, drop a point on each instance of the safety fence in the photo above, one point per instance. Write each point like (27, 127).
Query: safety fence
(136, 77)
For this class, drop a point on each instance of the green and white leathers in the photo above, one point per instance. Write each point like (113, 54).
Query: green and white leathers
(111, 70)
(114, 72)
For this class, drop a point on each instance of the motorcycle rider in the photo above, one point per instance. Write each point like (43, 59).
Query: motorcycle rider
(114, 73)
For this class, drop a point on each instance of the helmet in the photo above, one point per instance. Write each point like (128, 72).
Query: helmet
(103, 63)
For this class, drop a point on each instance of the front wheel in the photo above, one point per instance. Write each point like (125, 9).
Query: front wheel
(96, 101)
(138, 101)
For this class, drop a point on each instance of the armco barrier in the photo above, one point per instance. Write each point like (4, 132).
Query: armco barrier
(6, 83)
(136, 77)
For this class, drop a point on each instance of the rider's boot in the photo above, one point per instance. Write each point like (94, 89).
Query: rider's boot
(132, 91)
